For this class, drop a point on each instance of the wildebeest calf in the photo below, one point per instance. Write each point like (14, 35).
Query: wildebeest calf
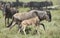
(32, 21)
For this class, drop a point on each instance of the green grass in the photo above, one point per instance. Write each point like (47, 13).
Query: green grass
(52, 28)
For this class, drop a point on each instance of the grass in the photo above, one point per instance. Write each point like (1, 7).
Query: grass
(52, 28)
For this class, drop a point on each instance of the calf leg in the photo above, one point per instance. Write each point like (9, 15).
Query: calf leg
(22, 27)
(24, 30)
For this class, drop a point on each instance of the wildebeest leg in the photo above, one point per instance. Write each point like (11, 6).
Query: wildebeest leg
(13, 24)
(37, 28)
(19, 27)
(24, 29)
(42, 25)
(8, 21)
(5, 21)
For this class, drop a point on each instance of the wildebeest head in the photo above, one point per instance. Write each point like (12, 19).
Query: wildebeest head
(43, 15)
(48, 16)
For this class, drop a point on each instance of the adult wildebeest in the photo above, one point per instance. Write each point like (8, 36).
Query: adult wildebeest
(1, 4)
(19, 17)
(38, 5)
(8, 11)
(17, 4)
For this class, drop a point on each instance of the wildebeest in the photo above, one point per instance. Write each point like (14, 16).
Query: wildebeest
(17, 4)
(8, 11)
(1, 4)
(19, 17)
(38, 5)
(32, 21)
